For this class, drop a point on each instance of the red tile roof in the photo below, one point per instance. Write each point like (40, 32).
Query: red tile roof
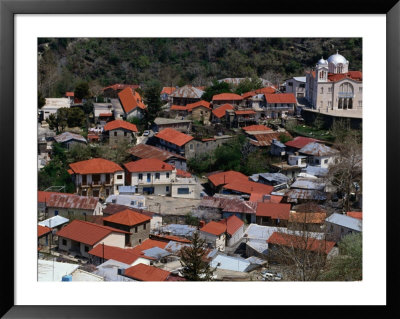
(300, 142)
(130, 100)
(220, 111)
(266, 90)
(69, 94)
(233, 223)
(248, 187)
(256, 128)
(298, 242)
(150, 243)
(113, 125)
(182, 173)
(148, 151)
(95, 166)
(72, 201)
(267, 138)
(307, 218)
(127, 217)
(148, 165)
(105, 114)
(123, 255)
(227, 97)
(144, 272)
(203, 103)
(281, 98)
(178, 108)
(248, 94)
(214, 228)
(87, 233)
(119, 86)
(174, 136)
(244, 112)
(175, 238)
(222, 178)
(168, 89)
(273, 210)
(258, 197)
(354, 75)
(357, 215)
(42, 230)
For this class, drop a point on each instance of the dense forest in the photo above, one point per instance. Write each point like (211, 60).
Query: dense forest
(65, 62)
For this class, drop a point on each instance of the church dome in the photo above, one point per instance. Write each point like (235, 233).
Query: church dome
(337, 58)
(322, 61)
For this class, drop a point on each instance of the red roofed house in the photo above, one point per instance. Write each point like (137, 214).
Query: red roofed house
(185, 95)
(102, 253)
(70, 96)
(272, 214)
(243, 187)
(80, 237)
(280, 104)
(227, 98)
(217, 180)
(298, 143)
(132, 103)
(331, 86)
(136, 224)
(297, 243)
(113, 90)
(357, 215)
(219, 113)
(166, 92)
(151, 176)
(242, 117)
(43, 233)
(142, 272)
(119, 130)
(200, 111)
(173, 140)
(97, 177)
(225, 232)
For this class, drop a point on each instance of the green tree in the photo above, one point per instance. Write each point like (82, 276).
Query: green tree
(195, 267)
(347, 266)
(283, 138)
(82, 90)
(216, 88)
(41, 100)
(248, 85)
(153, 101)
(75, 117)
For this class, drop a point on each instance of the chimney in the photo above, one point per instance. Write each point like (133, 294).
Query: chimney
(202, 223)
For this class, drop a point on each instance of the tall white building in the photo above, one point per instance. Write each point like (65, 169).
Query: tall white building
(331, 86)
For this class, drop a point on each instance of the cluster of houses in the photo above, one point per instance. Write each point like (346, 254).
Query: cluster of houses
(105, 231)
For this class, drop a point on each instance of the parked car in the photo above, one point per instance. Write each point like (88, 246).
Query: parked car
(271, 275)
(146, 133)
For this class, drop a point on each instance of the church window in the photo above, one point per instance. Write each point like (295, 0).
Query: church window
(322, 90)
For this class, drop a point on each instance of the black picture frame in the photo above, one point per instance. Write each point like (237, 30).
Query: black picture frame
(8, 9)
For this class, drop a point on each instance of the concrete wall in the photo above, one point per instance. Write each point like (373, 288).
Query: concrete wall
(217, 242)
(336, 232)
(139, 233)
(201, 113)
(137, 112)
(196, 148)
(73, 212)
(236, 236)
(111, 186)
(192, 190)
(119, 135)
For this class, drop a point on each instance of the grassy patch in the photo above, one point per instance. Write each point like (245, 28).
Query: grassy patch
(309, 131)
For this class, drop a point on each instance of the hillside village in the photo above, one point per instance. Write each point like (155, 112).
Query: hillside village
(264, 185)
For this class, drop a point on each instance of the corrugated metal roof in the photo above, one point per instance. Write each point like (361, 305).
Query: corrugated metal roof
(54, 221)
(109, 270)
(255, 260)
(188, 91)
(316, 171)
(259, 246)
(148, 151)
(72, 201)
(308, 194)
(230, 263)
(304, 183)
(178, 230)
(68, 136)
(156, 253)
(275, 177)
(317, 149)
(345, 221)
(174, 246)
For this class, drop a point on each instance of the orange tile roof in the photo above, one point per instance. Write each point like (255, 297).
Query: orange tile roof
(354, 75)
(123, 255)
(245, 112)
(42, 230)
(256, 128)
(148, 151)
(222, 178)
(280, 98)
(248, 94)
(69, 94)
(130, 100)
(220, 111)
(144, 272)
(227, 97)
(178, 108)
(203, 103)
(174, 136)
(113, 125)
(267, 138)
(266, 90)
(168, 89)
(248, 187)
(299, 243)
(307, 218)
(119, 86)
(300, 142)
(95, 166)
(183, 173)
(258, 197)
(176, 238)
(357, 215)
(273, 210)
(148, 165)
(214, 228)
(233, 223)
(127, 217)
(150, 243)
(85, 232)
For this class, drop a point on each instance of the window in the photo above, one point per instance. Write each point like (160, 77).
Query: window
(291, 83)
(167, 188)
(360, 89)
(119, 176)
(140, 176)
(133, 202)
(148, 177)
(157, 175)
(55, 212)
(140, 241)
(86, 249)
(359, 103)
(317, 161)
(167, 175)
(329, 103)
(113, 200)
(84, 180)
(64, 242)
(136, 229)
(191, 146)
(115, 133)
(144, 226)
(302, 85)
(329, 90)
(322, 90)
(183, 190)
(325, 161)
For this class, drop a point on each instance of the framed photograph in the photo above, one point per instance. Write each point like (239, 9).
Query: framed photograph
(117, 74)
